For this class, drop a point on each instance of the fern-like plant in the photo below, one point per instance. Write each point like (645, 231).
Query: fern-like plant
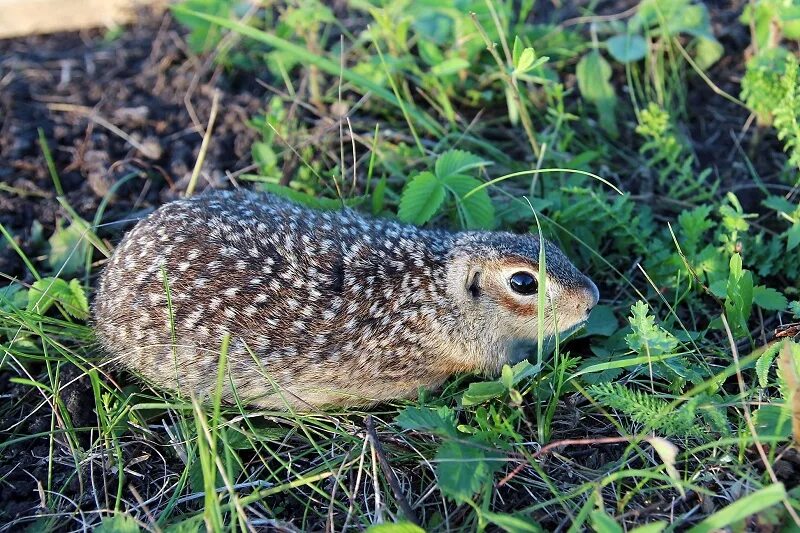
(786, 113)
(762, 89)
(648, 410)
(668, 155)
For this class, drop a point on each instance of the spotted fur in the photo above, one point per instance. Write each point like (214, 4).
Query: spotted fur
(321, 308)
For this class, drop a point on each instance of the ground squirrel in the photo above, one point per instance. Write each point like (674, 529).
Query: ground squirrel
(323, 308)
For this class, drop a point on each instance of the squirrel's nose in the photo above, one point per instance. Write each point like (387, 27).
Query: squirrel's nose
(594, 294)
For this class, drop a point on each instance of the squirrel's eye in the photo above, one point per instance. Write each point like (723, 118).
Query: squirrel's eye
(523, 283)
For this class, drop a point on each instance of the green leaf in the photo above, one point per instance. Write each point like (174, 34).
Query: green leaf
(13, 297)
(482, 391)
(68, 248)
(604, 523)
(793, 237)
(523, 370)
(739, 296)
(203, 36)
(693, 20)
(598, 369)
(323, 204)
(773, 421)
(462, 470)
(190, 525)
(707, 52)
(78, 306)
(719, 288)
(378, 196)
(454, 162)
(765, 362)
(264, 156)
(652, 527)
(45, 292)
(507, 377)
(517, 50)
(694, 223)
(601, 322)
(779, 204)
(790, 16)
(513, 523)
(627, 47)
(119, 523)
(429, 52)
(397, 527)
(672, 17)
(450, 66)
(197, 475)
(769, 298)
(538, 63)
(439, 420)
(593, 73)
(736, 267)
(526, 59)
(647, 338)
(760, 16)
(422, 197)
(654, 412)
(477, 210)
(742, 508)
(591, 365)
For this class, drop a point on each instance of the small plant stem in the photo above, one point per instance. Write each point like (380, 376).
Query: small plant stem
(535, 180)
(388, 472)
(14, 246)
(204, 146)
(341, 128)
(313, 70)
(92, 115)
(600, 18)
(523, 111)
(51, 164)
(153, 523)
(558, 444)
(790, 375)
(372, 153)
(362, 83)
(706, 79)
(499, 25)
(400, 101)
(541, 171)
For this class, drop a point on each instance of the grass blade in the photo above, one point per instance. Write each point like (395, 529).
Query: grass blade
(323, 63)
(741, 509)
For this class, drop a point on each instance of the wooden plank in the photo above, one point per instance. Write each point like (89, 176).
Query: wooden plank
(26, 17)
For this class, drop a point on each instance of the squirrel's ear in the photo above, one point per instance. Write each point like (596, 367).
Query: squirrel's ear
(474, 280)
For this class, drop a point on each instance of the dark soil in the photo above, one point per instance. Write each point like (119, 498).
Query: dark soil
(146, 83)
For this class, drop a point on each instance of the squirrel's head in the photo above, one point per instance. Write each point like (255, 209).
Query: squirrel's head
(494, 278)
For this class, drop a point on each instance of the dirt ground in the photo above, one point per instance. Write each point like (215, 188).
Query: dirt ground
(145, 82)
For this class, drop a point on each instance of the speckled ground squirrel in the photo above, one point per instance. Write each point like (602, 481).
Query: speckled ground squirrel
(322, 308)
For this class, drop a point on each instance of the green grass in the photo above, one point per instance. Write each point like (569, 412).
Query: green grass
(670, 410)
